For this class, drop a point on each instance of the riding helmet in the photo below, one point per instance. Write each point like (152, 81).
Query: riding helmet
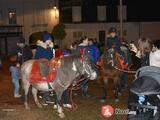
(112, 29)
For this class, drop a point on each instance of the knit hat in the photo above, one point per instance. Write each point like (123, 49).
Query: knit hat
(112, 29)
(46, 36)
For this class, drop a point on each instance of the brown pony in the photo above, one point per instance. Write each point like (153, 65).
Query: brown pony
(109, 63)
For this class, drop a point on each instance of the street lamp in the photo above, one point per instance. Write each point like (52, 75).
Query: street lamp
(121, 18)
(56, 12)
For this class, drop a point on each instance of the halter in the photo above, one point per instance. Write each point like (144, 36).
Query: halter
(111, 60)
(83, 68)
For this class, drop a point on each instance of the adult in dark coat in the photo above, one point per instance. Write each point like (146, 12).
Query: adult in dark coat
(23, 51)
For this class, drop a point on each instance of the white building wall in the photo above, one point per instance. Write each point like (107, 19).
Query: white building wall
(134, 30)
(25, 17)
(92, 30)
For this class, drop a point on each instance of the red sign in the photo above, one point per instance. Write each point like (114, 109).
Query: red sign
(107, 111)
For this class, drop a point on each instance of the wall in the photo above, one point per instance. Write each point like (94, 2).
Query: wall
(133, 30)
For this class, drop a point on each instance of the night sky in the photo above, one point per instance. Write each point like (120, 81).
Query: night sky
(143, 10)
(137, 10)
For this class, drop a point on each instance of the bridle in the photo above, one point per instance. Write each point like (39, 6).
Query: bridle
(111, 57)
(114, 65)
(83, 68)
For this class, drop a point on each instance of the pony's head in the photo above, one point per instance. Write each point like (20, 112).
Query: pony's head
(89, 68)
(110, 57)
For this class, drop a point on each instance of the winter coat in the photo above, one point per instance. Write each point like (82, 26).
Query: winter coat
(113, 43)
(24, 54)
(94, 52)
(42, 52)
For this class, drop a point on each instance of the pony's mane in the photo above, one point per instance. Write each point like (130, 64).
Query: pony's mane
(67, 61)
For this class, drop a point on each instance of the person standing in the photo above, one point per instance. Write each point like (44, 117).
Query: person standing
(83, 49)
(94, 51)
(144, 47)
(124, 77)
(15, 74)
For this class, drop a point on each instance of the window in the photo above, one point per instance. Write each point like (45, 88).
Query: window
(77, 35)
(124, 11)
(76, 14)
(12, 16)
(101, 13)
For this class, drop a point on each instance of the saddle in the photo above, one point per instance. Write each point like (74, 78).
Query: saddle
(43, 71)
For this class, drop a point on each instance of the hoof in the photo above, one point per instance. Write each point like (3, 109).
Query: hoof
(116, 100)
(103, 100)
(61, 115)
(39, 105)
(55, 107)
(26, 106)
(119, 93)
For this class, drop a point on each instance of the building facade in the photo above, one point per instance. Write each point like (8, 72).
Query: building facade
(32, 15)
(92, 18)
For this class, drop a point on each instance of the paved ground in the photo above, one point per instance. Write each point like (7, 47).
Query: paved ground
(87, 109)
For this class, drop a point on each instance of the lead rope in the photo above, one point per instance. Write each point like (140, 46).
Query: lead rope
(122, 70)
(71, 88)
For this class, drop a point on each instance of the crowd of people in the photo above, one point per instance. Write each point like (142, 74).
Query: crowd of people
(46, 49)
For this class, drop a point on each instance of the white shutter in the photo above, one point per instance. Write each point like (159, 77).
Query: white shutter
(101, 13)
(124, 9)
(76, 14)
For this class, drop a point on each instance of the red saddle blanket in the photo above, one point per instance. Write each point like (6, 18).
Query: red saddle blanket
(36, 75)
(121, 61)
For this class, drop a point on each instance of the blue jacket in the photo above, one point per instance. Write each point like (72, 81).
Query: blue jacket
(43, 53)
(94, 52)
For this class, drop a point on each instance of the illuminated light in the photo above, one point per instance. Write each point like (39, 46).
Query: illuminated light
(55, 12)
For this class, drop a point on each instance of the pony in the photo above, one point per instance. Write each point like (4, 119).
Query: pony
(69, 68)
(108, 62)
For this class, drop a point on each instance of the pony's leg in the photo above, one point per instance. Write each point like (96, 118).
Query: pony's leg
(34, 93)
(58, 103)
(116, 88)
(26, 89)
(104, 90)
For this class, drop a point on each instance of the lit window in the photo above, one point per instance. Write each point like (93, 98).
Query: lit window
(124, 12)
(12, 16)
(76, 14)
(101, 13)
